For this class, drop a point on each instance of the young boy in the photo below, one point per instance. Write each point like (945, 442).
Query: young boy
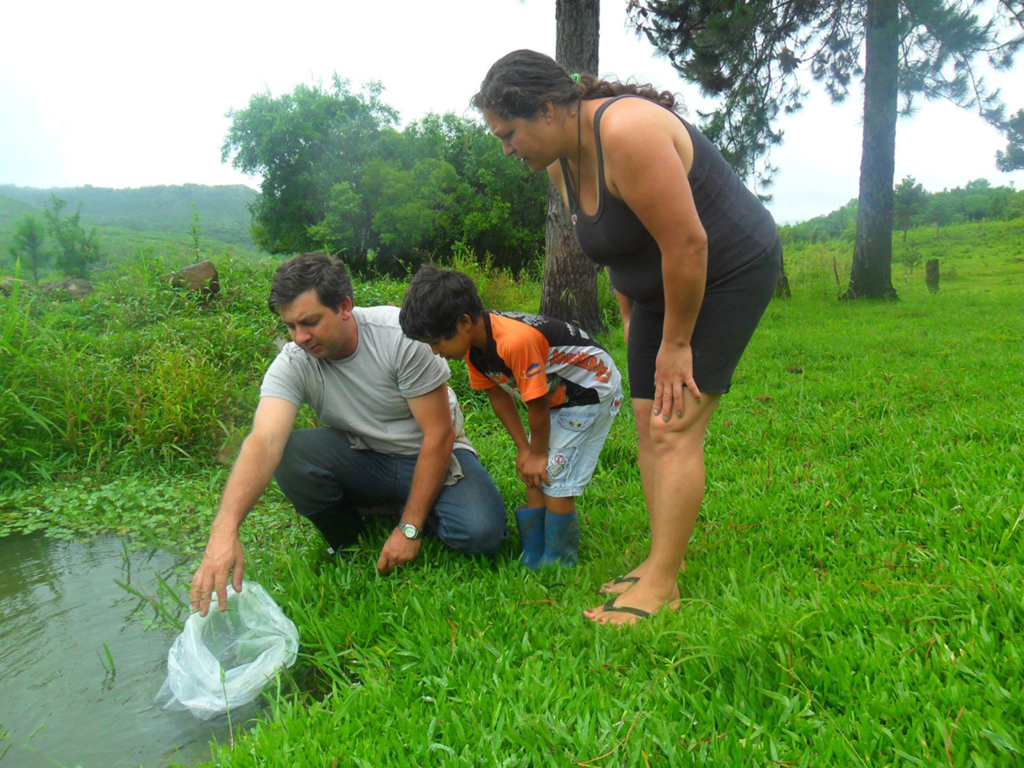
(570, 385)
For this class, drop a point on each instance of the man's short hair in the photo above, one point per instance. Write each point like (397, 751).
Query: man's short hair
(434, 302)
(311, 271)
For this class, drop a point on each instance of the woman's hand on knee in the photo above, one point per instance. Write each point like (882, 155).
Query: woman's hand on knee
(673, 373)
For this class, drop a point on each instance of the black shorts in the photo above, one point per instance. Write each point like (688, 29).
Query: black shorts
(729, 313)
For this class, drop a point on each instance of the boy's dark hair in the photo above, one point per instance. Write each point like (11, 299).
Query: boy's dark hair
(308, 271)
(435, 301)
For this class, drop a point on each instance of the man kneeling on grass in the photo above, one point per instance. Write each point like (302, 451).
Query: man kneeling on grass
(392, 434)
(570, 385)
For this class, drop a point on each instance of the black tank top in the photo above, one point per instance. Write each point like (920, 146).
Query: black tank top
(739, 229)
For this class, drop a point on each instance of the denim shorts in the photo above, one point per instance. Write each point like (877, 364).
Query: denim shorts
(577, 435)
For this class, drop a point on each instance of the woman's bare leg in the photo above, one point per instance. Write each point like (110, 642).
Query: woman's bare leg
(642, 413)
(678, 451)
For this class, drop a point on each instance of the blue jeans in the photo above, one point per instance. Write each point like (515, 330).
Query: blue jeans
(326, 480)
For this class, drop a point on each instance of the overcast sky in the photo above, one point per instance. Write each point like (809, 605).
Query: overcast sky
(135, 94)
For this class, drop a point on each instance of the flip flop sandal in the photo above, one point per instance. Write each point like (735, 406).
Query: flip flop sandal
(631, 580)
(611, 607)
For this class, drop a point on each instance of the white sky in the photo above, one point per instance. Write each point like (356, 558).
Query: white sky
(119, 94)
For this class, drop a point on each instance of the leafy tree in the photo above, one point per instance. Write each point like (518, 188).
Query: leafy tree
(77, 250)
(338, 176)
(908, 203)
(27, 243)
(1013, 158)
(940, 211)
(910, 257)
(303, 144)
(750, 54)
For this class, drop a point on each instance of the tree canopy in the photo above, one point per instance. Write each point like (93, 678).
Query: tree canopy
(338, 176)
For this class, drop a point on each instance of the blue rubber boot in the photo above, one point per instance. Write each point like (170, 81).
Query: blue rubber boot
(561, 539)
(531, 533)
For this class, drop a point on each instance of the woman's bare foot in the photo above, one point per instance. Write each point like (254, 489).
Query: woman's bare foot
(642, 598)
(619, 585)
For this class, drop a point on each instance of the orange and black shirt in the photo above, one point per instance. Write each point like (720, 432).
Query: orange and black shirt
(530, 356)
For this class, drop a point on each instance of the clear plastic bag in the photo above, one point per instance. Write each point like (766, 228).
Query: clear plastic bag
(224, 660)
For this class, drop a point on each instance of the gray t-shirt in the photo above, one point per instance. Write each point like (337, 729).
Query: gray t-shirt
(365, 395)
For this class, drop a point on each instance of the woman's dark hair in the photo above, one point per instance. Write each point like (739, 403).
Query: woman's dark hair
(435, 301)
(317, 271)
(520, 83)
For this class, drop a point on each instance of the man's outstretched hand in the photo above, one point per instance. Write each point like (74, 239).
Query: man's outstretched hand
(223, 556)
(397, 551)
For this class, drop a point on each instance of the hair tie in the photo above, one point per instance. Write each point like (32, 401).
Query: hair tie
(575, 77)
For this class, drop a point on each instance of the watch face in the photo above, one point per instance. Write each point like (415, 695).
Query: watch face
(409, 530)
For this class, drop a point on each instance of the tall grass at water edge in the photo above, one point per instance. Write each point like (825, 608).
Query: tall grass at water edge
(853, 593)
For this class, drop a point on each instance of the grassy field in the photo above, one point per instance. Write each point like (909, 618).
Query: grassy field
(854, 587)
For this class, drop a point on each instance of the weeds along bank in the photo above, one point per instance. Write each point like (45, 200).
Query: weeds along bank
(852, 595)
(142, 372)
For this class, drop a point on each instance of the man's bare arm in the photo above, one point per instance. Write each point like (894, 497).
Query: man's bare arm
(434, 418)
(261, 453)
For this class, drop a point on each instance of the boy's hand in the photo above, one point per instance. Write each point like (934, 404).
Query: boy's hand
(533, 468)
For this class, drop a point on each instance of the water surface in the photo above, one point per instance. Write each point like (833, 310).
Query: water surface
(60, 702)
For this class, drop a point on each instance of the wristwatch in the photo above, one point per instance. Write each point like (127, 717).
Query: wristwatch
(409, 530)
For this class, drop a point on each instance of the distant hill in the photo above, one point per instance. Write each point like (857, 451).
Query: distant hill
(223, 214)
(11, 209)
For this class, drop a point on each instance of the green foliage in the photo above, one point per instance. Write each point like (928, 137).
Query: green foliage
(941, 210)
(338, 177)
(135, 372)
(908, 203)
(27, 243)
(913, 206)
(840, 223)
(909, 255)
(1013, 158)
(302, 144)
(77, 250)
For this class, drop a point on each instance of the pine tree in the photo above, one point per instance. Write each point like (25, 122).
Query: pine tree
(27, 242)
(750, 55)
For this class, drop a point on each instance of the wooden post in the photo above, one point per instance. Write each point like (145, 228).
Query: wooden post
(931, 275)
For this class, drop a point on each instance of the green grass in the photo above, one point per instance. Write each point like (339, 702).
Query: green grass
(853, 594)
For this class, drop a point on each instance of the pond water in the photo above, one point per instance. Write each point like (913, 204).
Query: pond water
(62, 702)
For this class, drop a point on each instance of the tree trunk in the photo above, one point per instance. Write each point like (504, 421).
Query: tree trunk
(570, 278)
(782, 285)
(931, 275)
(871, 275)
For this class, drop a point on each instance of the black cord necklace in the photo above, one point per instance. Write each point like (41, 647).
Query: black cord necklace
(579, 156)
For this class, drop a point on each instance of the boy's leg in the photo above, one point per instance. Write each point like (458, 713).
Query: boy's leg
(325, 480)
(530, 521)
(577, 436)
(469, 515)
